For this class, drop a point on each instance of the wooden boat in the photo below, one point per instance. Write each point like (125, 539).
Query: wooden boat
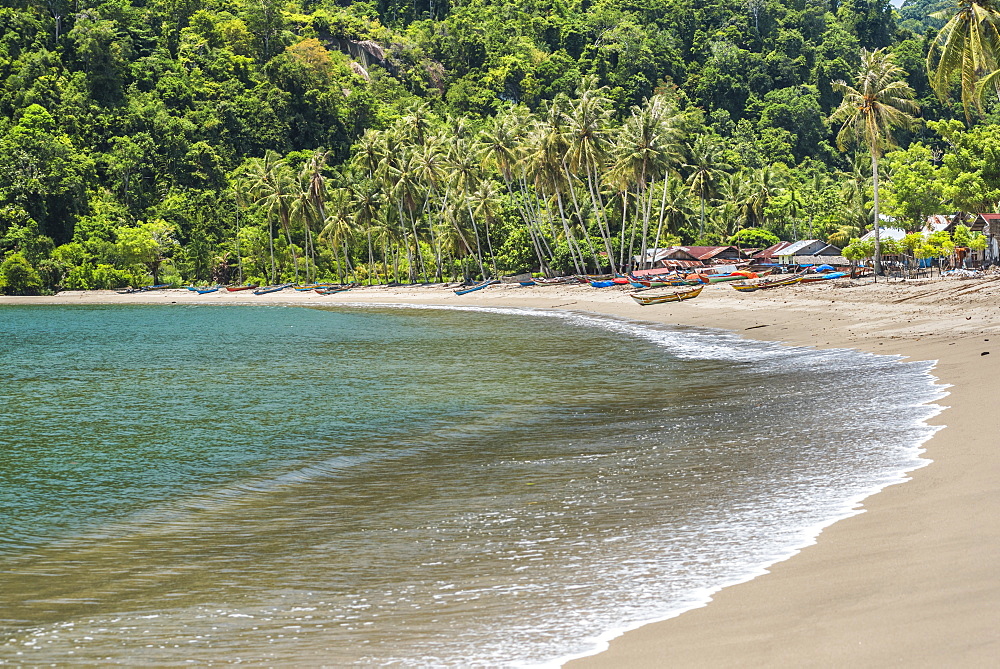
(202, 291)
(527, 283)
(678, 296)
(156, 287)
(270, 289)
(233, 289)
(602, 284)
(332, 289)
(722, 278)
(814, 278)
(762, 285)
(478, 286)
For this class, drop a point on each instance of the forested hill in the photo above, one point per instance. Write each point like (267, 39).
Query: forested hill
(130, 131)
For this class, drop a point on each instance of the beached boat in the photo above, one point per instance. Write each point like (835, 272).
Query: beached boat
(814, 278)
(762, 285)
(602, 284)
(678, 296)
(202, 291)
(526, 284)
(270, 289)
(233, 289)
(478, 286)
(332, 289)
(156, 287)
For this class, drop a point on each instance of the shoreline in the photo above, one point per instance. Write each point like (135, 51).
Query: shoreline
(908, 580)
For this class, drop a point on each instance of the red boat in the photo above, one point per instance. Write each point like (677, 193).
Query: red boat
(233, 289)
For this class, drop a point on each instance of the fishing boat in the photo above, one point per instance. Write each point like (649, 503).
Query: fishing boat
(156, 287)
(678, 296)
(193, 288)
(478, 286)
(602, 284)
(762, 285)
(202, 291)
(270, 289)
(814, 278)
(332, 289)
(526, 284)
(233, 289)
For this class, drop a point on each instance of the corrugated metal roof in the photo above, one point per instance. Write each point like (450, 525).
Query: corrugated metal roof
(707, 252)
(796, 247)
(772, 250)
(885, 233)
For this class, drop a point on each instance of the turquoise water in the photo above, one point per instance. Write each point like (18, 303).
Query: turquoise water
(427, 487)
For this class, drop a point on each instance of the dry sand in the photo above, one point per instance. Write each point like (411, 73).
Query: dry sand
(912, 581)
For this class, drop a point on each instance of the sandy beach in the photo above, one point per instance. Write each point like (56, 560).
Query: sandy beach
(912, 580)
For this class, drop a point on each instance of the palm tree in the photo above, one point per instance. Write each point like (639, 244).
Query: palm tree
(272, 184)
(646, 150)
(706, 164)
(968, 44)
(879, 102)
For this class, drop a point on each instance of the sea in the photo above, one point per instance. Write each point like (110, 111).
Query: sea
(419, 487)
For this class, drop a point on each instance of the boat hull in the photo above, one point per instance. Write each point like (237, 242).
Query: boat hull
(679, 296)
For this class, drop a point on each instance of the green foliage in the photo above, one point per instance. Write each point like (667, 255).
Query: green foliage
(753, 238)
(128, 112)
(18, 277)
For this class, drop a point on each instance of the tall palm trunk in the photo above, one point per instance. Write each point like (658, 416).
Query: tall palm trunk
(878, 242)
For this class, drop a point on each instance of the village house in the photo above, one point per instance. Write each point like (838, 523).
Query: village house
(811, 252)
(989, 225)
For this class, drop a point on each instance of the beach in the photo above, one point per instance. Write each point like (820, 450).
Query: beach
(908, 582)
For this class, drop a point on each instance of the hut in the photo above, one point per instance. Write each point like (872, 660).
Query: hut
(811, 252)
(989, 225)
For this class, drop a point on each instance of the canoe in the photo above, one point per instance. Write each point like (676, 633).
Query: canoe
(332, 289)
(762, 285)
(233, 289)
(270, 289)
(156, 287)
(526, 283)
(726, 277)
(813, 278)
(478, 286)
(678, 296)
(202, 291)
(602, 284)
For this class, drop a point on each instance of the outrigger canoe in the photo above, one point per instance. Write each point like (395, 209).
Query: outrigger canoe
(270, 289)
(761, 285)
(233, 289)
(678, 296)
(332, 289)
(202, 291)
(478, 286)
(813, 278)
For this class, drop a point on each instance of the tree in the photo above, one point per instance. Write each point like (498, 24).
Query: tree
(969, 44)
(149, 244)
(18, 277)
(753, 238)
(870, 111)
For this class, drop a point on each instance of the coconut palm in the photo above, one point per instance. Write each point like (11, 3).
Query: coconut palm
(646, 150)
(878, 103)
(968, 44)
(706, 165)
(272, 184)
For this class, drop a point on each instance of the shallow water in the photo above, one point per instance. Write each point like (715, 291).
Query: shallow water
(412, 486)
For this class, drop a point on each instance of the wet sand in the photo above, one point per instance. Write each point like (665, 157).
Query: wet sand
(913, 580)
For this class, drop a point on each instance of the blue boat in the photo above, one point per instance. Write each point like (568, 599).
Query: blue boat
(202, 291)
(478, 286)
(602, 284)
(156, 287)
(271, 289)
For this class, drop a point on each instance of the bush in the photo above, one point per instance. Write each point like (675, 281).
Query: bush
(18, 277)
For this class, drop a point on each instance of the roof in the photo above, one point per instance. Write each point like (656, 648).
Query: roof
(771, 251)
(707, 252)
(809, 247)
(885, 233)
(937, 223)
